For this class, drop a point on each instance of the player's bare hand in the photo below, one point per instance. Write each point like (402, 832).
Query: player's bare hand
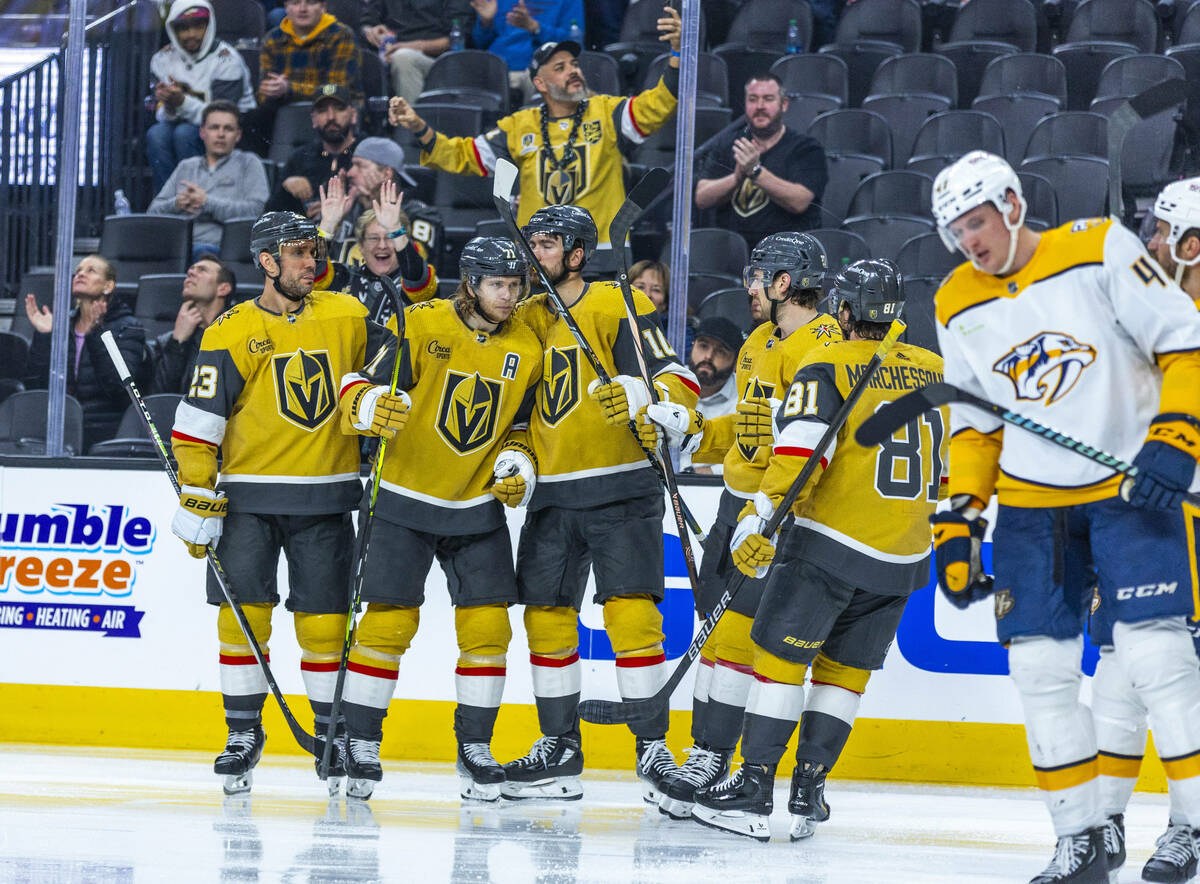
(41, 319)
(400, 113)
(387, 207)
(485, 10)
(670, 28)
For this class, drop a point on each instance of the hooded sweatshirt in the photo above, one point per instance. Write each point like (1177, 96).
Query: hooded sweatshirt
(215, 71)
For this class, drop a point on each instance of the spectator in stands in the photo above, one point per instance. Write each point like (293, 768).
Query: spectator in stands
(387, 250)
(411, 34)
(335, 120)
(711, 359)
(763, 178)
(513, 30)
(91, 377)
(206, 288)
(653, 278)
(568, 148)
(376, 161)
(189, 72)
(225, 183)
(310, 48)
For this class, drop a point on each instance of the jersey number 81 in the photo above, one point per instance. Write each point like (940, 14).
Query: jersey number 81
(903, 460)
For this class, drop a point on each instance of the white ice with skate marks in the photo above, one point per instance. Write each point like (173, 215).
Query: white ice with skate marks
(100, 815)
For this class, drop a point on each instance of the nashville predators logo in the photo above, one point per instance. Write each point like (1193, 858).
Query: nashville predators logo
(560, 187)
(560, 383)
(749, 199)
(1046, 366)
(469, 411)
(304, 388)
(755, 389)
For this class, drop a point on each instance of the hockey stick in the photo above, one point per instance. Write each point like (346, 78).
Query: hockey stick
(306, 741)
(653, 184)
(506, 176)
(1158, 98)
(364, 541)
(637, 711)
(891, 417)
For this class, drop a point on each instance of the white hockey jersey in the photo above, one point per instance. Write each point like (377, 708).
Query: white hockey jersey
(1080, 339)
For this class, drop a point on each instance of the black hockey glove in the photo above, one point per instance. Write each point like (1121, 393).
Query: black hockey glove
(957, 539)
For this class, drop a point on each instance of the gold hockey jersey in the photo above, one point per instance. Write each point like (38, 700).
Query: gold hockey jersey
(582, 461)
(864, 515)
(264, 391)
(593, 179)
(469, 390)
(1091, 338)
(766, 365)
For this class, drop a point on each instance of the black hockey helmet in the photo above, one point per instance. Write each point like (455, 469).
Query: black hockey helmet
(491, 256)
(574, 225)
(274, 229)
(797, 254)
(872, 289)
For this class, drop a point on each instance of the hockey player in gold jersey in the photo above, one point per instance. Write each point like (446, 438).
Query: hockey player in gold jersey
(568, 148)
(1080, 326)
(264, 395)
(787, 270)
(857, 546)
(597, 504)
(470, 372)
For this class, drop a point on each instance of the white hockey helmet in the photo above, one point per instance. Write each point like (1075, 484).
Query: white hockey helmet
(1179, 205)
(976, 178)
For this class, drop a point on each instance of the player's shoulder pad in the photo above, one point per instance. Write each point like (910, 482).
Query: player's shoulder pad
(331, 304)
(227, 328)
(605, 297)
(963, 288)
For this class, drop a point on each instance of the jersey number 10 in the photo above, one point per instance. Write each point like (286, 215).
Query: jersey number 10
(903, 459)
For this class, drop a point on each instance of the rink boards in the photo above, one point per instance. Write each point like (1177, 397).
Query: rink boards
(107, 641)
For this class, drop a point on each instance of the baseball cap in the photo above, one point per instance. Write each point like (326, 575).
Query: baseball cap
(385, 152)
(332, 92)
(192, 13)
(721, 330)
(543, 53)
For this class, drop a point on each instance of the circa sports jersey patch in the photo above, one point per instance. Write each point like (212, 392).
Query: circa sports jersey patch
(304, 388)
(468, 411)
(560, 383)
(1046, 366)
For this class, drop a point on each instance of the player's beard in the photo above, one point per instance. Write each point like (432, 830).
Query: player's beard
(294, 288)
(709, 376)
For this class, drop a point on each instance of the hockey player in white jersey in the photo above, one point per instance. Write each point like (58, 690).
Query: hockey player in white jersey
(1119, 714)
(1080, 326)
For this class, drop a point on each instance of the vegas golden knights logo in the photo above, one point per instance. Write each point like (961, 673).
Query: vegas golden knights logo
(755, 389)
(468, 413)
(560, 383)
(560, 187)
(749, 199)
(304, 388)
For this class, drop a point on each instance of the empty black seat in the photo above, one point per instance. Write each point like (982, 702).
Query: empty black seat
(292, 129)
(916, 73)
(905, 115)
(601, 71)
(1080, 184)
(846, 173)
(23, 423)
(890, 21)
(714, 250)
(743, 62)
(1130, 74)
(460, 77)
(1188, 29)
(861, 58)
(885, 234)
(659, 147)
(971, 60)
(814, 74)
(1069, 133)
(803, 109)
(712, 77)
(1017, 115)
(40, 284)
(138, 244)
(1025, 73)
(926, 255)
(454, 120)
(14, 353)
(239, 21)
(763, 24)
(1115, 21)
(1084, 62)
(132, 438)
(158, 296)
(919, 311)
(893, 193)
(841, 247)
(730, 303)
(701, 285)
(1040, 200)
(996, 21)
(945, 137)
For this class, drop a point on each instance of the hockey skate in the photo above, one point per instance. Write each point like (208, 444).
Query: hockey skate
(363, 769)
(702, 768)
(550, 770)
(337, 762)
(1174, 857)
(807, 802)
(1078, 859)
(1114, 844)
(741, 803)
(236, 762)
(655, 764)
(479, 774)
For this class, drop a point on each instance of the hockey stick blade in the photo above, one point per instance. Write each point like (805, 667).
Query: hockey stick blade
(505, 177)
(896, 414)
(1159, 97)
(644, 194)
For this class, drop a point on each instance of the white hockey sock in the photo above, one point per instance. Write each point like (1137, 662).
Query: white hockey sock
(1059, 730)
(1120, 722)
(641, 677)
(371, 677)
(243, 683)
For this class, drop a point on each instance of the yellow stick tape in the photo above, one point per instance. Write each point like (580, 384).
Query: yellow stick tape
(423, 730)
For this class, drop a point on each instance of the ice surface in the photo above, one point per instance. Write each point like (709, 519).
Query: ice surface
(100, 815)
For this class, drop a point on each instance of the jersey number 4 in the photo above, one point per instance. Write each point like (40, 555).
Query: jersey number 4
(905, 459)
